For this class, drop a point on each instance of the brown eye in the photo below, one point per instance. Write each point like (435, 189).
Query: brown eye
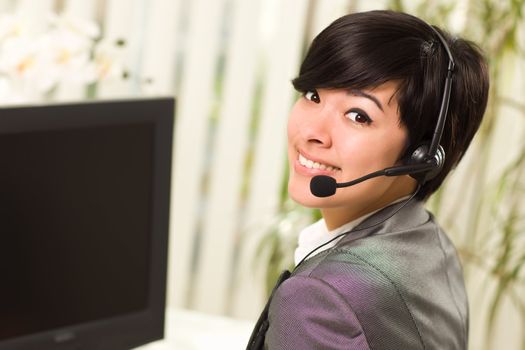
(312, 96)
(358, 116)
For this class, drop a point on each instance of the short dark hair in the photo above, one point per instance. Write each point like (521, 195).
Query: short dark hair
(367, 49)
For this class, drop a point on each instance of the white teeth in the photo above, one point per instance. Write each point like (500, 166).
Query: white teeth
(314, 165)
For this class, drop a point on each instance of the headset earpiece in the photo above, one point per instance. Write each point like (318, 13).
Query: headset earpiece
(421, 155)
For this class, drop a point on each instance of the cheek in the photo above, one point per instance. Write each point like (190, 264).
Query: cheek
(393, 146)
(398, 141)
(291, 130)
(367, 152)
(353, 149)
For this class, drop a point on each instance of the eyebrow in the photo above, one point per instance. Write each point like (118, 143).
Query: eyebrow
(364, 94)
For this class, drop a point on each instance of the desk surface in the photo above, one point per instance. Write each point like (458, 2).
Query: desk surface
(190, 330)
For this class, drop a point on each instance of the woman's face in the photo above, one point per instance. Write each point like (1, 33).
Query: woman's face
(346, 134)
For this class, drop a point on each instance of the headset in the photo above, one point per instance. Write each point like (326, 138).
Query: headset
(425, 162)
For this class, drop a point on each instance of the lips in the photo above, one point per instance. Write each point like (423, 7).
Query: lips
(310, 164)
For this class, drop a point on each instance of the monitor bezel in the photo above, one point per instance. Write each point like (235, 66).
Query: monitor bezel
(132, 329)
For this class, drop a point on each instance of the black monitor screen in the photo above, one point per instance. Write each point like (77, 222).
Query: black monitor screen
(76, 223)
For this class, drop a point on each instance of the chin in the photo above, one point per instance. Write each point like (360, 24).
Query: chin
(300, 193)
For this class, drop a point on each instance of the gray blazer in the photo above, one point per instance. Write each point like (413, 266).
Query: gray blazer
(398, 285)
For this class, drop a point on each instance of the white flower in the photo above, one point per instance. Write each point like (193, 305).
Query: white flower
(77, 26)
(109, 56)
(35, 59)
(67, 57)
(14, 26)
(21, 61)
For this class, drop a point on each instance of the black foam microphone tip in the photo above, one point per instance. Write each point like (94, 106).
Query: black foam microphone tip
(323, 186)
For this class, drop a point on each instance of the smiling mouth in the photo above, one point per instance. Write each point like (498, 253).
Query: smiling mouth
(310, 164)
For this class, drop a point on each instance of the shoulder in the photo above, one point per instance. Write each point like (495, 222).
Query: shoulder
(344, 302)
(309, 313)
(371, 286)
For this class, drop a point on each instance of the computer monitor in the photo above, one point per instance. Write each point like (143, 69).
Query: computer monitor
(84, 216)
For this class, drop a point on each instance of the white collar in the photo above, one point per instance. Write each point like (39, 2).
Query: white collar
(316, 234)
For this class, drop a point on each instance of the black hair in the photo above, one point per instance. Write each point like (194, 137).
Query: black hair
(366, 49)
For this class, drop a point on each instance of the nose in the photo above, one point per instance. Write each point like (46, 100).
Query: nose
(317, 129)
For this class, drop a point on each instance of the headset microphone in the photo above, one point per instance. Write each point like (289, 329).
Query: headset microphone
(325, 186)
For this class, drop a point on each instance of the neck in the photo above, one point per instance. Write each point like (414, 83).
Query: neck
(338, 216)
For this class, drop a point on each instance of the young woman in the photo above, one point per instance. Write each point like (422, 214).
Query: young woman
(380, 90)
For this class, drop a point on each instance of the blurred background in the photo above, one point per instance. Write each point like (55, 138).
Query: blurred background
(229, 63)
